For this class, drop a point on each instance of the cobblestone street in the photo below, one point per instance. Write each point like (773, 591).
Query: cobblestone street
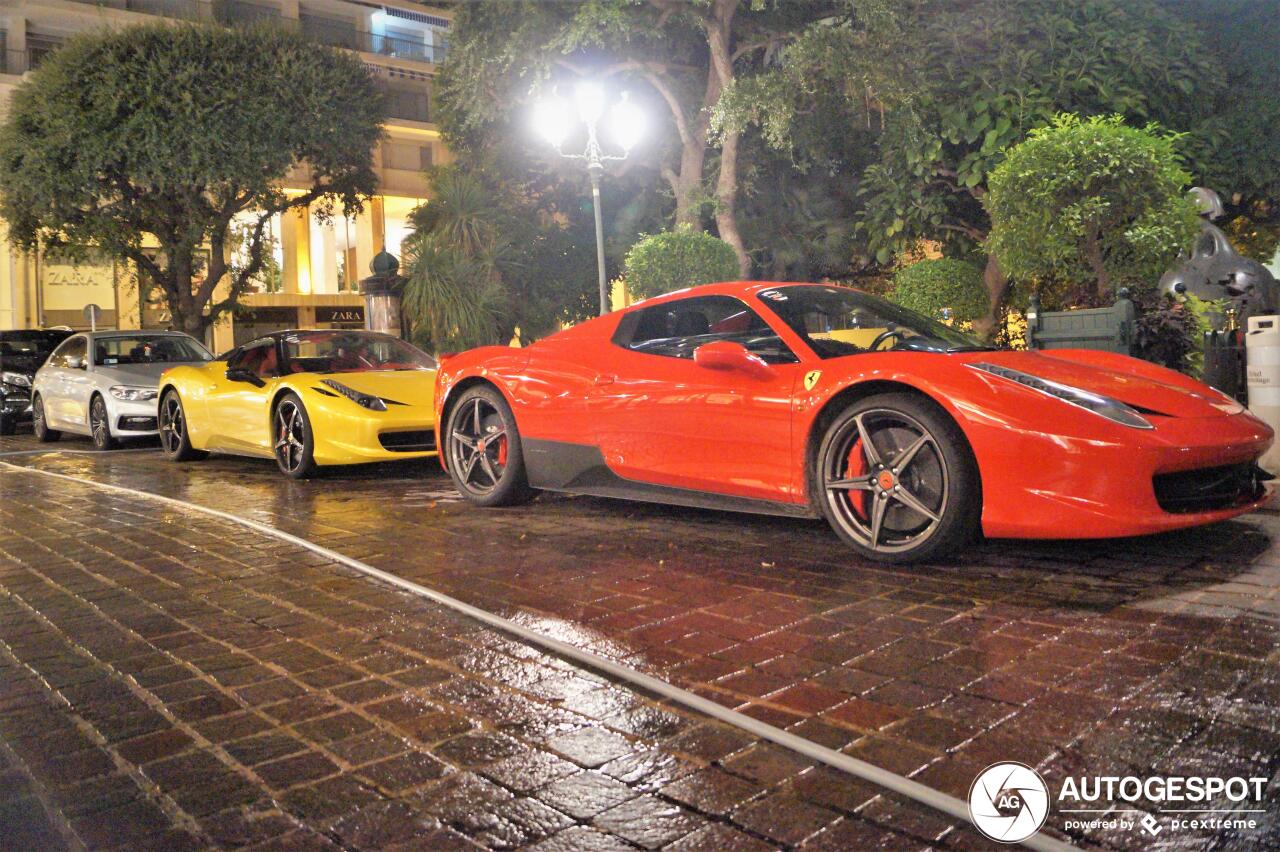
(168, 680)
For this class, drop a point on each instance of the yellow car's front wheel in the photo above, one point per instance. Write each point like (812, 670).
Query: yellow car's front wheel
(293, 439)
(174, 438)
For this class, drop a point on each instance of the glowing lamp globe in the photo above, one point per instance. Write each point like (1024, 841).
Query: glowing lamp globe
(589, 98)
(551, 120)
(627, 123)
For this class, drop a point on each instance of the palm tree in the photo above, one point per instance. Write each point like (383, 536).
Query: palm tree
(455, 260)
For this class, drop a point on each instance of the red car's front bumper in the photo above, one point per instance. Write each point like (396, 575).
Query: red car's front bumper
(1059, 486)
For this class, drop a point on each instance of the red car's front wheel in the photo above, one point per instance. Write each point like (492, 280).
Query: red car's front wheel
(897, 480)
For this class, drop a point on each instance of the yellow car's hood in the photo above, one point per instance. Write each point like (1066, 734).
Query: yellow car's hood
(411, 387)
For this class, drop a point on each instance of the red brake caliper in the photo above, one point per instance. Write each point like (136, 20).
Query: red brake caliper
(502, 451)
(856, 467)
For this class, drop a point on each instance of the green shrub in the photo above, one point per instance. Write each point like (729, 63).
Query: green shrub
(660, 263)
(1087, 205)
(929, 286)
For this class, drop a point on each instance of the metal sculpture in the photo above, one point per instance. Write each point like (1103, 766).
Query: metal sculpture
(1215, 270)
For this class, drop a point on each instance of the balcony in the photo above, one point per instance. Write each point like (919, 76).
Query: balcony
(185, 9)
(322, 30)
(335, 34)
(19, 62)
(408, 104)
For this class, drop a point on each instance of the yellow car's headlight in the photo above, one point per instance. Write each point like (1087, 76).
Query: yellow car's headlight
(373, 403)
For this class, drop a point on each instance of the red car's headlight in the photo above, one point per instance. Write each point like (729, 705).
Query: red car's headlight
(1104, 406)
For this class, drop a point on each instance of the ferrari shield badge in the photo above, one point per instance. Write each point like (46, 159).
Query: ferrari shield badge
(811, 379)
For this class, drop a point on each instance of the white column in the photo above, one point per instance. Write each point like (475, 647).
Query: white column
(295, 240)
(15, 27)
(324, 258)
(370, 237)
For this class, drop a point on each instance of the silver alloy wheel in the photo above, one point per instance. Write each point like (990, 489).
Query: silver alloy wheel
(290, 436)
(172, 425)
(37, 415)
(478, 445)
(889, 460)
(98, 422)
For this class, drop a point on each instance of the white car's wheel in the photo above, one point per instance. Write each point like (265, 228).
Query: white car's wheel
(39, 425)
(100, 424)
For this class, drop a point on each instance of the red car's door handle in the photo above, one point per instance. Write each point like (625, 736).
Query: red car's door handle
(604, 379)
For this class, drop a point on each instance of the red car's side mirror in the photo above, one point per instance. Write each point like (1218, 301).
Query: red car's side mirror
(727, 355)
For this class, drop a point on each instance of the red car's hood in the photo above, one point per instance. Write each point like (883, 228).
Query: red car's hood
(1139, 391)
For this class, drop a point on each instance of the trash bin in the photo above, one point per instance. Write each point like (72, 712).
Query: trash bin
(1262, 360)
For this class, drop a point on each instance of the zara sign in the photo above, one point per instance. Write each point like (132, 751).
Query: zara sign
(340, 314)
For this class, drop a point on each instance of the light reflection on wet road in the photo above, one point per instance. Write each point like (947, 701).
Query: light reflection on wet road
(1138, 655)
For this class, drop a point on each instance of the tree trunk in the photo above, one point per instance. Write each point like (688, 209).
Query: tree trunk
(185, 310)
(727, 200)
(1093, 255)
(719, 34)
(687, 185)
(997, 284)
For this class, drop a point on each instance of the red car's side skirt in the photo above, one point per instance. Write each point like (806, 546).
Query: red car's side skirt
(581, 469)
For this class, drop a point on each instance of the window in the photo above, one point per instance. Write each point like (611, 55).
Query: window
(837, 321)
(147, 349)
(351, 352)
(675, 329)
(28, 346)
(401, 155)
(258, 357)
(74, 348)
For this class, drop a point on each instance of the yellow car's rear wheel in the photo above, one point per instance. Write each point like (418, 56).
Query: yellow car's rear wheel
(292, 438)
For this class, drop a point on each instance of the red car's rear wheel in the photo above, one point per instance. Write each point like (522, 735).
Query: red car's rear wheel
(897, 479)
(483, 450)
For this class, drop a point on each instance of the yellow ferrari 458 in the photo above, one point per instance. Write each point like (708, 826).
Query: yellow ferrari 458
(304, 398)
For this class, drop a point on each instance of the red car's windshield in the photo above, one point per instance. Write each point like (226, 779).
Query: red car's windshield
(351, 352)
(837, 321)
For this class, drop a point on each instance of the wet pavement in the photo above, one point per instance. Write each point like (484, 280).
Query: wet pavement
(1136, 657)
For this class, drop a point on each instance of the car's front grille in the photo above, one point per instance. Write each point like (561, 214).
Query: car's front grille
(1207, 489)
(408, 442)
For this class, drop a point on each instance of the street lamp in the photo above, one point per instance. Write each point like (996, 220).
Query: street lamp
(553, 119)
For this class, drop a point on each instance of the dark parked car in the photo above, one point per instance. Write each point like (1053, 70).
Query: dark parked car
(21, 354)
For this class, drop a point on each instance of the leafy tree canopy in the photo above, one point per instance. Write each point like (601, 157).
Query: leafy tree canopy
(1087, 205)
(673, 260)
(167, 133)
(676, 59)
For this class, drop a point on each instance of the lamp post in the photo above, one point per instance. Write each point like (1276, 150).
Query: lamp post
(553, 120)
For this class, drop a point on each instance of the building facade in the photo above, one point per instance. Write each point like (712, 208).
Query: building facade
(312, 277)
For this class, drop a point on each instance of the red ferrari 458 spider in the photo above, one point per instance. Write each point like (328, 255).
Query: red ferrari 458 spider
(811, 400)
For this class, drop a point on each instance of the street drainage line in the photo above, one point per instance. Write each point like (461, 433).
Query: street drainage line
(851, 765)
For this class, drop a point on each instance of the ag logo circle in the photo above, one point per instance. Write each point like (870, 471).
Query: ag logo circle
(1008, 802)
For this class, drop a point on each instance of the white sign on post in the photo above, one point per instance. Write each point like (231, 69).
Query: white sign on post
(92, 313)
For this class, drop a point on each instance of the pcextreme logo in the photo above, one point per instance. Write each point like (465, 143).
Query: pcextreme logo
(1008, 802)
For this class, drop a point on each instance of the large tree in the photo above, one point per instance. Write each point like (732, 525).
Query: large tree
(163, 136)
(679, 56)
(950, 84)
